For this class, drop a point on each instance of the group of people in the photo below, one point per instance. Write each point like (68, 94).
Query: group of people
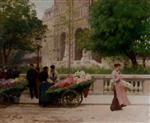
(119, 101)
(40, 81)
(9, 72)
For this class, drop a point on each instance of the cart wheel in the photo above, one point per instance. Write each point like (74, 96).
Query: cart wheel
(71, 99)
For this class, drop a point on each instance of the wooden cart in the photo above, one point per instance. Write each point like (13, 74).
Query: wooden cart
(68, 97)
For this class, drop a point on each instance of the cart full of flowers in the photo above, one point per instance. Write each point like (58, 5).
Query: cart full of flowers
(11, 89)
(70, 91)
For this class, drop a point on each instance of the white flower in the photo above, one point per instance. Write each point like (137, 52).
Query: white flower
(88, 77)
(81, 76)
(12, 80)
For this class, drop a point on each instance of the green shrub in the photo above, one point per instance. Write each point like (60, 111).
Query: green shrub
(24, 69)
(129, 70)
(96, 70)
(137, 70)
(87, 70)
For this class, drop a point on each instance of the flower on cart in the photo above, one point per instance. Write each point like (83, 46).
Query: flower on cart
(9, 83)
(81, 76)
(76, 78)
(88, 77)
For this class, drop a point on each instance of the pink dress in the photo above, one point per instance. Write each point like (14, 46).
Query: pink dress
(120, 97)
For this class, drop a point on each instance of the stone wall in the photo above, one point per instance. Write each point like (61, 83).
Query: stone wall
(101, 86)
(141, 84)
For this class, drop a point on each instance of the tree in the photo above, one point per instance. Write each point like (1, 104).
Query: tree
(19, 26)
(84, 39)
(118, 27)
(84, 43)
(142, 47)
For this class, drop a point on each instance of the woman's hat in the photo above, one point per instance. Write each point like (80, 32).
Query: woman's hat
(117, 65)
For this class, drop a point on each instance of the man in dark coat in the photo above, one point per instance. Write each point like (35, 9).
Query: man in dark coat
(43, 76)
(32, 77)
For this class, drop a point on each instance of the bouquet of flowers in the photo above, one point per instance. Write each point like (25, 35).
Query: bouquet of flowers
(127, 85)
(81, 76)
(79, 80)
(76, 78)
(124, 83)
(65, 82)
(12, 85)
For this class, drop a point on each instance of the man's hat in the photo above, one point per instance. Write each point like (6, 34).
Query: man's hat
(52, 66)
(45, 68)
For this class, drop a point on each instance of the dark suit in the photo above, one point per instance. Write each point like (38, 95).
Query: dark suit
(32, 78)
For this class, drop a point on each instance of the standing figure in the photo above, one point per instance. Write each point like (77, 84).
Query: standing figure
(32, 77)
(43, 75)
(44, 86)
(120, 97)
(53, 74)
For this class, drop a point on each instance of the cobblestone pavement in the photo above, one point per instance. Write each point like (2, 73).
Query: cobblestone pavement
(29, 112)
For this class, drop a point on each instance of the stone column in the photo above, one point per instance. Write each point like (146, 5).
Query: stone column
(98, 87)
(146, 87)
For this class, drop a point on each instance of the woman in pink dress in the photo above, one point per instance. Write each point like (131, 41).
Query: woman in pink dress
(120, 97)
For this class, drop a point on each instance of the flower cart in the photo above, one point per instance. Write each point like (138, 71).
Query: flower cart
(11, 89)
(70, 91)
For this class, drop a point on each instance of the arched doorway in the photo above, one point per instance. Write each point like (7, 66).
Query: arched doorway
(62, 45)
(78, 51)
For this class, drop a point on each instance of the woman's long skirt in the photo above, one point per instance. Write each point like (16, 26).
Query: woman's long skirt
(120, 97)
(43, 98)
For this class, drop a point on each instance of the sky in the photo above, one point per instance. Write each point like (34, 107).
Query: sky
(41, 6)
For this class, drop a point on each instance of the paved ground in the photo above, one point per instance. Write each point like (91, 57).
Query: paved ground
(83, 114)
(91, 111)
(106, 99)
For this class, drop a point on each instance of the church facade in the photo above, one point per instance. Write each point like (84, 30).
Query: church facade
(55, 50)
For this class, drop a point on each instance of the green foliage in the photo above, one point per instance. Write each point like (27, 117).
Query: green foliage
(24, 69)
(93, 70)
(20, 87)
(142, 47)
(84, 39)
(19, 26)
(137, 70)
(119, 26)
(126, 70)
(16, 59)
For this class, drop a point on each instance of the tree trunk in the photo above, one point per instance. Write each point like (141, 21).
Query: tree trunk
(134, 61)
(5, 59)
(144, 61)
(1, 57)
(6, 54)
(132, 57)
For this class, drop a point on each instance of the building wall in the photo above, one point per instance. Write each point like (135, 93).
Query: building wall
(48, 51)
(57, 36)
